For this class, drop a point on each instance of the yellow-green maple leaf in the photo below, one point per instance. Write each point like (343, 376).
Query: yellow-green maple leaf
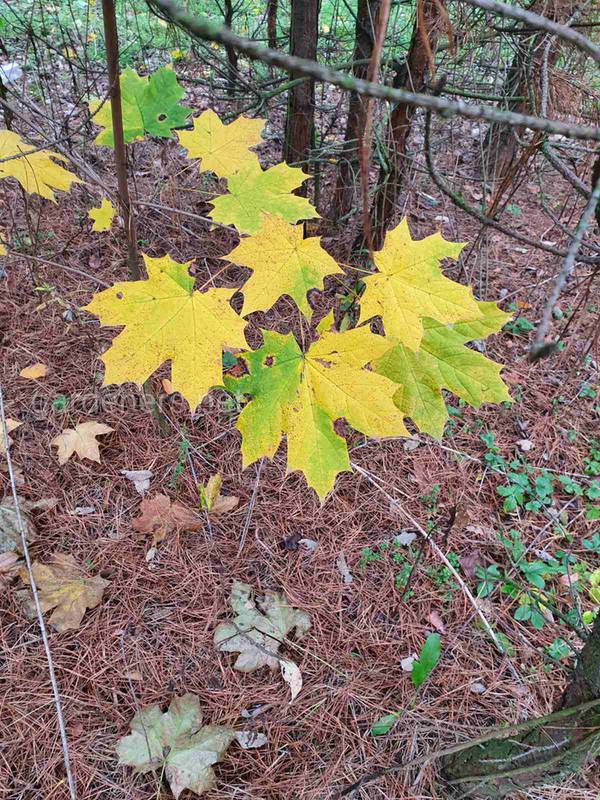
(102, 216)
(37, 173)
(148, 105)
(282, 262)
(443, 362)
(254, 192)
(222, 149)
(410, 285)
(302, 395)
(165, 319)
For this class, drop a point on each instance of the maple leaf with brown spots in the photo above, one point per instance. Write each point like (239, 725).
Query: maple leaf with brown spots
(65, 587)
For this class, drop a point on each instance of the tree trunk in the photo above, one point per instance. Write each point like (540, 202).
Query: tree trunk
(232, 59)
(112, 60)
(412, 76)
(523, 81)
(272, 24)
(503, 766)
(299, 123)
(343, 198)
(595, 179)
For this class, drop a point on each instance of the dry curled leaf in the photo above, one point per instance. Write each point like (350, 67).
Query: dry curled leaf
(66, 588)
(10, 565)
(211, 498)
(10, 534)
(81, 440)
(342, 566)
(435, 619)
(248, 740)
(259, 628)
(139, 477)
(160, 516)
(292, 676)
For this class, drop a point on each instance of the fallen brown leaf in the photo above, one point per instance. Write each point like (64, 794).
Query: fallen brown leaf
(159, 516)
(211, 498)
(436, 621)
(11, 425)
(470, 562)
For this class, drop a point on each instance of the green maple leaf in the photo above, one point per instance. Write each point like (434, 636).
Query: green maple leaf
(149, 105)
(259, 628)
(176, 744)
(302, 395)
(410, 285)
(253, 192)
(443, 362)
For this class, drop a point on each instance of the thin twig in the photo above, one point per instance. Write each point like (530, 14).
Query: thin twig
(540, 347)
(251, 505)
(38, 608)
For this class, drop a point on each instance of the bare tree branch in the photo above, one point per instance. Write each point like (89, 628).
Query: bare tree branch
(204, 28)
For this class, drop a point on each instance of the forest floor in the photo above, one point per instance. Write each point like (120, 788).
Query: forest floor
(151, 637)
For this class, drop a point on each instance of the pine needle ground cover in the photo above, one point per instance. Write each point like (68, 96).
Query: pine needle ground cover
(148, 629)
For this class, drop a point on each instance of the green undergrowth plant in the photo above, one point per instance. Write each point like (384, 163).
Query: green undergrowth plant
(528, 488)
(553, 587)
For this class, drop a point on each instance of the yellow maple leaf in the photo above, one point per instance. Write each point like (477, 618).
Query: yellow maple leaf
(64, 586)
(166, 320)
(410, 285)
(282, 262)
(81, 440)
(102, 216)
(34, 371)
(37, 173)
(222, 149)
(302, 395)
(254, 192)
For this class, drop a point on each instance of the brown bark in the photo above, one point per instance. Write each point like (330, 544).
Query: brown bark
(299, 123)
(510, 765)
(272, 24)
(112, 61)
(413, 77)
(232, 59)
(595, 179)
(523, 80)
(343, 197)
